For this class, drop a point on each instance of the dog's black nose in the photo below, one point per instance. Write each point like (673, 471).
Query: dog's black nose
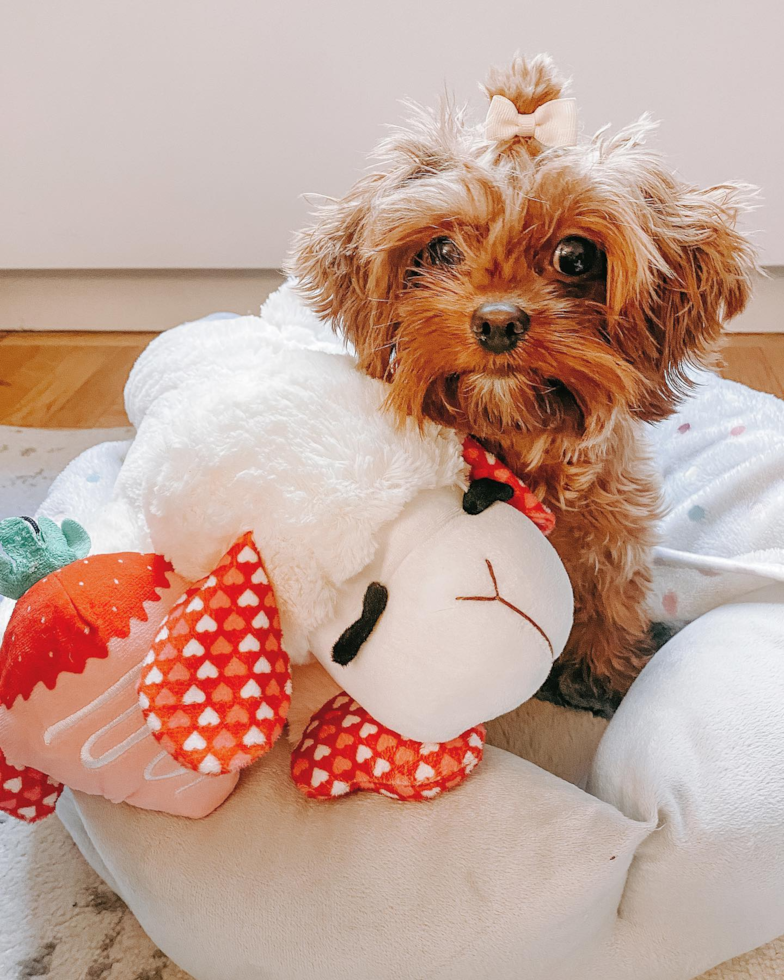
(499, 327)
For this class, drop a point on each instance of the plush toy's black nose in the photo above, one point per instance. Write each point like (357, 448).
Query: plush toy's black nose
(499, 327)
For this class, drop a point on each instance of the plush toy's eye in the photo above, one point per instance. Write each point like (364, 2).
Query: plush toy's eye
(578, 258)
(440, 251)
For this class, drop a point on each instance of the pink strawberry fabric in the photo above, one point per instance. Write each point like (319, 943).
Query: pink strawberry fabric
(485, 466)
(68, 618)
(216, 686)
(344, 749)
(26, 793)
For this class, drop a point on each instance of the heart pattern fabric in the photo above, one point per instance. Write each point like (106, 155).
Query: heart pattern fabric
(485, 466)
(215, 689)
(344, 749)
(25, 793)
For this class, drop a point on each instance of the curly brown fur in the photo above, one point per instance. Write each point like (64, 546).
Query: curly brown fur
(604, 352)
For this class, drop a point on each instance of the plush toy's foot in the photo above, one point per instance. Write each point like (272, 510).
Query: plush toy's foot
(344, 749)
(25, 793)
(216, 686)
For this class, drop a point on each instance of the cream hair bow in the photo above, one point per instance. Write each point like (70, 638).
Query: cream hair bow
(552, 124)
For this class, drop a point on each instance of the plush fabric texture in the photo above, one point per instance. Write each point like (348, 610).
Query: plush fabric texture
(344, 749)
(71, 658)
(31, 459)
(514, 867)
(216, 686)
(32, 550)
(697, 746)
(72, 615)
(58, 916)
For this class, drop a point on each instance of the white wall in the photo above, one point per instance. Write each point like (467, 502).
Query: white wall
(180, 133)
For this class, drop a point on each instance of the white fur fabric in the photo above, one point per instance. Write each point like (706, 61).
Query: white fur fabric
(241, 426)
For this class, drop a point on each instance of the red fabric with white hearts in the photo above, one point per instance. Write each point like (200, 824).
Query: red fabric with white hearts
(216, 686)
(25, 793)
(69, 617)
(344, 749)
(485, 466)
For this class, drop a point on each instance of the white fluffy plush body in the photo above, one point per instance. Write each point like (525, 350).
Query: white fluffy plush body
(242, 428)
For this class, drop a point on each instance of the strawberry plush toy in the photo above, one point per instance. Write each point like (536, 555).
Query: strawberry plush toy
(298, 523)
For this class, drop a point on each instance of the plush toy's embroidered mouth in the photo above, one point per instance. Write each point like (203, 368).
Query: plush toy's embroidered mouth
(505, 602)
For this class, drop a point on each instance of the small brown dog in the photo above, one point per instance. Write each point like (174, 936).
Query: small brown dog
(549, 301)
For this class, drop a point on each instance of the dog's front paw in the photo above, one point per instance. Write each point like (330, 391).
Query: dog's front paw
(573, 685)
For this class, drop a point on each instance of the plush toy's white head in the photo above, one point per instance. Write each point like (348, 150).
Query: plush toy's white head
(457, 620)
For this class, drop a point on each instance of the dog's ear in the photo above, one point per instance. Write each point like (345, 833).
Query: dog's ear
(685, 270)
(327, 260)
(708, 280)
(352, 257)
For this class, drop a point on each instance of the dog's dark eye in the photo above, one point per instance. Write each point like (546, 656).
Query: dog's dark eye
(441, 251)
(578, 257)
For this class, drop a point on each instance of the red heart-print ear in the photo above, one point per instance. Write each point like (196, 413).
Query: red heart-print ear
(25, 793)
(485, 466)
(216, 686)
(344, 749)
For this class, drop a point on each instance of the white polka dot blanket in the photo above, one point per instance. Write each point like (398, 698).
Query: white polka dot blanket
(722, 463)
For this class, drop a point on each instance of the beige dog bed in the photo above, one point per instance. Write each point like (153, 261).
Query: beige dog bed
(665, 859)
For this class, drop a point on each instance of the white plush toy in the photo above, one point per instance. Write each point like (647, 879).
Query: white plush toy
(266, 471)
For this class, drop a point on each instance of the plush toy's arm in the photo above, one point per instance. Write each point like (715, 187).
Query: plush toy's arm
(33, 550)
(486, 470)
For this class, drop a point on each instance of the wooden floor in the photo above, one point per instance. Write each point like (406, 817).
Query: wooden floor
(75, 380)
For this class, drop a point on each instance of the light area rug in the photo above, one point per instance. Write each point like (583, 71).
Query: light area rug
(58, 920)
(30, 459)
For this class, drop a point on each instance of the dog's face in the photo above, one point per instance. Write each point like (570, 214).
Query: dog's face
(509, 288)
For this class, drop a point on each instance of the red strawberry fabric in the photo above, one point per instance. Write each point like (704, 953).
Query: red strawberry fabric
(344, 749)
(69, 617)
(485, 466)
(26, 793)
(216, 686)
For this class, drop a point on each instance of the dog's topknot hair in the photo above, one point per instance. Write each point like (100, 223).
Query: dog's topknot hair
(528, 83)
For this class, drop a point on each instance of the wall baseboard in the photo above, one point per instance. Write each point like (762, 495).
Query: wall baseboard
(765, 313)
(156, 299)
(127, 299)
